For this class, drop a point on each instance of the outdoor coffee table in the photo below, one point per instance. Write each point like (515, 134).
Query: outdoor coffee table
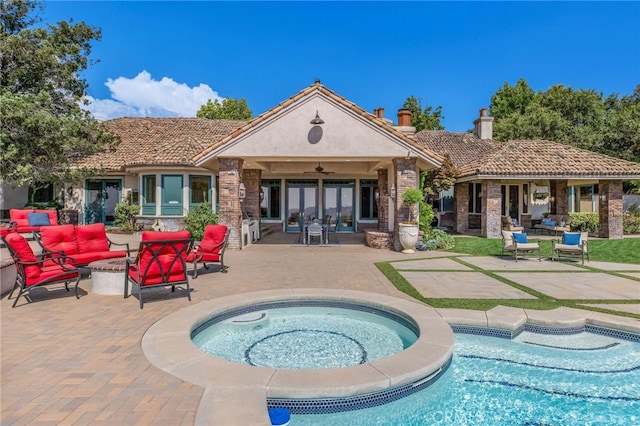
(107, 276)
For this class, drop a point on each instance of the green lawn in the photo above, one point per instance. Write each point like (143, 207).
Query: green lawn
(621, 251)
(626, 250)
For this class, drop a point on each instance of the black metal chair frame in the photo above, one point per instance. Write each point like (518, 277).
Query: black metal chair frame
(210, 249)
(57, 259)
(155, 248)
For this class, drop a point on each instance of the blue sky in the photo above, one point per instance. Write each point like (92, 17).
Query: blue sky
(161, 58)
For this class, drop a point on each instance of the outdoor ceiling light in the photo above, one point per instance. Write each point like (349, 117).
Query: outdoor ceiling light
(317, 121)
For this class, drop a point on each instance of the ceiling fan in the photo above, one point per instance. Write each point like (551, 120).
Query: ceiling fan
(320, 170)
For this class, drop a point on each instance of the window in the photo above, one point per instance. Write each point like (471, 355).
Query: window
(475, 198)
(42, 195)
(446, 200)
(199, 190)
(585, 198)
(149, 194)
(270, 205)
(368, 203)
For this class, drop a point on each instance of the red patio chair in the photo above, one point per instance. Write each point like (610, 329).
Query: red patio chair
(211, 248)
(33, 271)
(160, 263)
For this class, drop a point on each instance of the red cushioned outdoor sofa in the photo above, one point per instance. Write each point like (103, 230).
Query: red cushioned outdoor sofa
(82, 244)
(28, 220)
(33, 271)
(161, 262)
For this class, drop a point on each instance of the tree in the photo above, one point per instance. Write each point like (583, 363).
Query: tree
(438, 180)
(428, 119)
(43, 127)
(510, 100)
(582, 118)
(229, 109)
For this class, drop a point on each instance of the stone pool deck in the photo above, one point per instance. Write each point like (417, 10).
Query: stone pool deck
(74, 362)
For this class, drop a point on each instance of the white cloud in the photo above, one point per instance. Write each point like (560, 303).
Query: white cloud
(142, 96)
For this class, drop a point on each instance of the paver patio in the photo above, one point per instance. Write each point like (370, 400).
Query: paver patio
(75, 362)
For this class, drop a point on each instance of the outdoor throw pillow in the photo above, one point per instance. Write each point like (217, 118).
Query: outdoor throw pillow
(571, 239)
(38, 219)
(520, 238)
(515, 221)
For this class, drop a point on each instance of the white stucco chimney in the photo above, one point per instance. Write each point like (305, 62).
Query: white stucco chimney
(404, 122)
(483, 125)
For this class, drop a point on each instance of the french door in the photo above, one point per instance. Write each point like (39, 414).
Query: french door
(338, 201)
(101, 198)
(302, 203)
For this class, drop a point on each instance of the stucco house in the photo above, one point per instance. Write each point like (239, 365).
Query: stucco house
(318, 154)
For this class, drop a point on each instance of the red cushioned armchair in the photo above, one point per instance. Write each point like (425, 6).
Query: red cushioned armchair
(161, 262)
(34, 271)
(211, 248)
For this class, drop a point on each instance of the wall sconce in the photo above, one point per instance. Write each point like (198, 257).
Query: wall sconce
(242, 192)
(317, 121)
(603, 198)
(261, 195)
(376, 195)
(392, 191)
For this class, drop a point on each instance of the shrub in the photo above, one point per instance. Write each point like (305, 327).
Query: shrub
(589, 222)
(631, 220)
(125, 215)
(198, 218)
(438, 239)
(426, 217)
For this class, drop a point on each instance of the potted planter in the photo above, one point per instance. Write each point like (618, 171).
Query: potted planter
(408, 230)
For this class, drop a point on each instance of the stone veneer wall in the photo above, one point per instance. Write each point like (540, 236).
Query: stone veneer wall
(610, 211)
(383, 203)
(461, 208)
(251, 179)
(491, 209)
(379, 239)
(406, 176)
(562, 197)
(229, 207)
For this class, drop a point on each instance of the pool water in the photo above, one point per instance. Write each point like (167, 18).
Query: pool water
(534, 379)
(305, 337)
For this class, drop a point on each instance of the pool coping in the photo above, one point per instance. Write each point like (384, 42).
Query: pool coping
(237, 394)
(230, 386)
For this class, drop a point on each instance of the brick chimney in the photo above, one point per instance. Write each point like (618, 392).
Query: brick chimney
(379, 112)
(483, 125)
(404, 121)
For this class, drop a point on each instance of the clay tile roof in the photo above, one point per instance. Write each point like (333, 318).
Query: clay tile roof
(159, 141)
(473, 156)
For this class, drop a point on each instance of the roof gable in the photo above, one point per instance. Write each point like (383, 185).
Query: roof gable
(285, 131)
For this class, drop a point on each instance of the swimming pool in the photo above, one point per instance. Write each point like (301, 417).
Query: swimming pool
(534, 379)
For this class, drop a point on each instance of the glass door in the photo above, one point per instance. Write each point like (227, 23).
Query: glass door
(101, 198)
(302, 203)
(338, 202)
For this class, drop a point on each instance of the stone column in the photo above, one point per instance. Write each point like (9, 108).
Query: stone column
(230, 208)
(405, 177)
(562, 197)
(461, 207)
(383, 203)
(491, 209)
(251, 179)
(610, 210)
